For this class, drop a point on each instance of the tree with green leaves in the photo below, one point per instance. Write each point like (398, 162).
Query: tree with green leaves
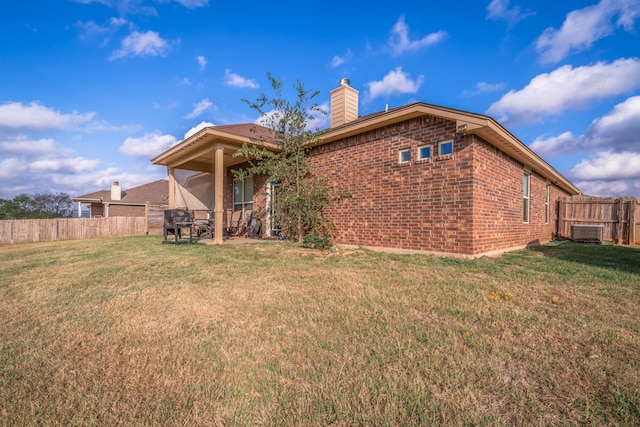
(37, 206)
(302, 195)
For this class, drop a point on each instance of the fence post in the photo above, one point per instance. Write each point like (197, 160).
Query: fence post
(146, 218)
(619, 226)
(632, 221)
(558, 218)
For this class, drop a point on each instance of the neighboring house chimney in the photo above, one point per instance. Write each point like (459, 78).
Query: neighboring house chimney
(116, 192)
(344, 104)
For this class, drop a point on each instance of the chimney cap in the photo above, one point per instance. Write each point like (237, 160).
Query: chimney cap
(344, 82)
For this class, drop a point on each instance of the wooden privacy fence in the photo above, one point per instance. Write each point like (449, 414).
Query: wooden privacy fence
(619, 217)
(41, 230)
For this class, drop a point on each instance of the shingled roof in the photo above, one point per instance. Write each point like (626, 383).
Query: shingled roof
(153, 192)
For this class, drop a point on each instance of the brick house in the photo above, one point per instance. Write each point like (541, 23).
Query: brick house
(420, 177)
(148, 200)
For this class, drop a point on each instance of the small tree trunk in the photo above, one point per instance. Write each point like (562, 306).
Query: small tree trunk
(300, 237)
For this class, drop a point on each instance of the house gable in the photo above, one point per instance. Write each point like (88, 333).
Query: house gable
(465, 123)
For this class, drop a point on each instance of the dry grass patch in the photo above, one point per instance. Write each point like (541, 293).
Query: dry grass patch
(131, 332)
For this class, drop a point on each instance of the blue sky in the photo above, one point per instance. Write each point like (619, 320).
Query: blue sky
(92, 90)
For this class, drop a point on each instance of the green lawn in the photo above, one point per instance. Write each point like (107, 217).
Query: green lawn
(129, 331)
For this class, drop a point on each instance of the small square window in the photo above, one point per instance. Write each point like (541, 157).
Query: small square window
(405, 155)
(445, 148)
(424, 152)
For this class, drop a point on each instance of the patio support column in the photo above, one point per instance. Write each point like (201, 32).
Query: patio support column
(172, 187)
(218, 208)
(79, 209)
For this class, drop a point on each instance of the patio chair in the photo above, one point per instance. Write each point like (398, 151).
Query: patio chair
(254, 227)
(202, 223)
(235, 224)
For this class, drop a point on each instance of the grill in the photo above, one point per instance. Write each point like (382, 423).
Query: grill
(175, 222)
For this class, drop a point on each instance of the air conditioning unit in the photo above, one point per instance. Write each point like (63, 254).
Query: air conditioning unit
(584, 233)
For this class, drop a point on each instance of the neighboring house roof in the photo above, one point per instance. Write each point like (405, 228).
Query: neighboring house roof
(153, 192)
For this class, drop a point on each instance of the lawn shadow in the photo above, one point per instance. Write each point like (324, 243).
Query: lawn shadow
(610, 256)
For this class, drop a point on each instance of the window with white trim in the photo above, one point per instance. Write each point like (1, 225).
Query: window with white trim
(405, 155)
(526, 192)
(445, 148)
(424, 152)
(546, 204)
(243, 195)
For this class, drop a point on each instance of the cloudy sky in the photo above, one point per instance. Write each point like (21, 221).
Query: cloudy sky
(92, 90)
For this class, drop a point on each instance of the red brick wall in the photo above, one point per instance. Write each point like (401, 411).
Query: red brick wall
(97, 209)
(466, 203)
(498, 202)
(127, 210)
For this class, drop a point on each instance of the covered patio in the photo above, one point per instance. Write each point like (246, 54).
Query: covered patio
(211, 151)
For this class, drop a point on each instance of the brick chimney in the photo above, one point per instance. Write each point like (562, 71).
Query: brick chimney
(116, 192)
(344, 104)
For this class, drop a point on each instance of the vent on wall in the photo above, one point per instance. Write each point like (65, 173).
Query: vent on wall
(587, 233)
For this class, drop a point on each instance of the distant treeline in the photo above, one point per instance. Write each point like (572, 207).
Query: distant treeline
(37, 206)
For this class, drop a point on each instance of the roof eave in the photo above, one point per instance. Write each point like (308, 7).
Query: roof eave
(466, 122)
(200, 141)
(86, 200)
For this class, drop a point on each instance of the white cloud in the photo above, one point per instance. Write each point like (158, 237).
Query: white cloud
(583, 27)
(79, 184)
(606, 188)
(90, 30)
(17, 116)
(138, 6)
(124, 6)
(396, 82)
(499, 10)
(618, 130)
(202, 62)
(21, 145)
(192, 4)
(319, 121)
(96, 180)
(339, 60)
(197, 128)
(484, 87)
(400, 43)
(199, 108)
(614, 171)
(141, 44)
(607, 166)
(10, 170)
(102, 126)
(564, 143)
(63, 165)
(150, 145)
(565, 88)
(235, 80)
(104, 2)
